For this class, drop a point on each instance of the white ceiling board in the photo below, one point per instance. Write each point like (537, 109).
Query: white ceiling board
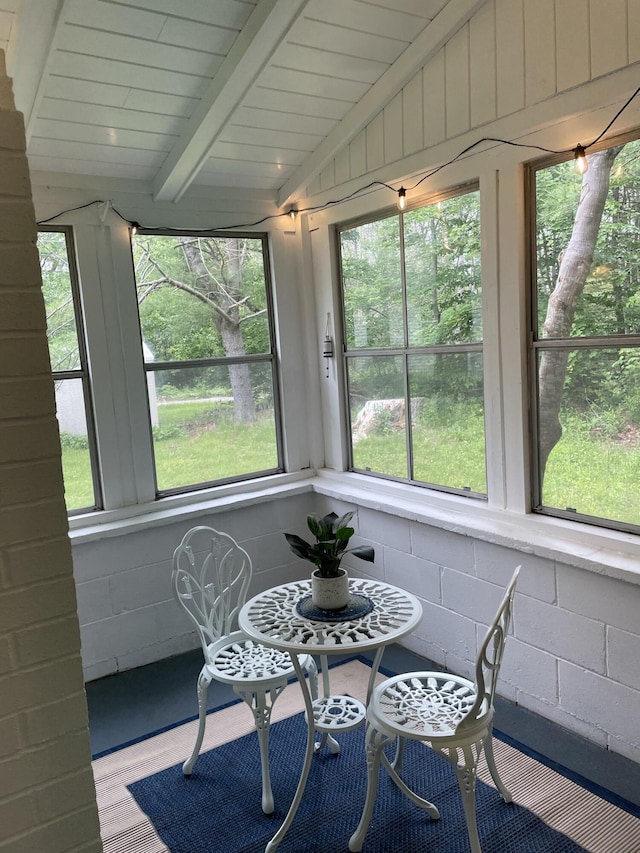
(247, 93)
(94, 115)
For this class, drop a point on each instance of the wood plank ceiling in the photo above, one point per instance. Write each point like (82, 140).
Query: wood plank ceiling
(259, 94)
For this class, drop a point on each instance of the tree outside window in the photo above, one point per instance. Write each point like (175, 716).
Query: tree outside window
(586, 337)
(206, 322)
(65, 337)
(412, 308)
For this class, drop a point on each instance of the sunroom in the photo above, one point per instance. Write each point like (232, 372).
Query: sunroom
(310, 256)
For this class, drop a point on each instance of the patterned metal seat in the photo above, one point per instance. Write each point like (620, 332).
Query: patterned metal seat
(453, 715)
(210, 580)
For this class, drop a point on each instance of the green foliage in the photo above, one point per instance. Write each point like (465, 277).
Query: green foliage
(57, 290)
(332, 534)
(610, 301)
(70, 441)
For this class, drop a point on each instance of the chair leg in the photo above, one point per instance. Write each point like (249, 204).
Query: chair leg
(261, 710)
(375, 741)
(204, 680)
(466, 773)
(491, 764)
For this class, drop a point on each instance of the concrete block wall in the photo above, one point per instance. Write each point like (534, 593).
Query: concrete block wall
(47, 795)
(573, 652)
(127, 613)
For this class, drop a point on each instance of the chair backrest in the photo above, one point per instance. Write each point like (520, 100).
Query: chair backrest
(490, 657)
(210, 579)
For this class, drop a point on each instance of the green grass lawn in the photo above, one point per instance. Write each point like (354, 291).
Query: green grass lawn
(200, 442)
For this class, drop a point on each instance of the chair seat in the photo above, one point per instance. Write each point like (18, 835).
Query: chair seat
(423, 705)
(237, 658)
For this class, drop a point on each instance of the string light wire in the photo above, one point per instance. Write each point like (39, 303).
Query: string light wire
(577, 150)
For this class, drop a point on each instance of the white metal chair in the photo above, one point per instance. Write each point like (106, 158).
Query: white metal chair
(210, 578)
(453, 715)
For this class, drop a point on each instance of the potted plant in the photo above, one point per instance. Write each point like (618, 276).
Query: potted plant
(330, 582)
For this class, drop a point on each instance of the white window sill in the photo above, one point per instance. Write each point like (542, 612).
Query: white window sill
(606, 552)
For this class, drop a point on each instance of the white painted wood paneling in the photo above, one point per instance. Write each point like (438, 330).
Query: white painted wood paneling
(633, 36)
(434, 100)
(510, 55)
(539, 50)
(393, 130)
(572, 44)
(412, 100)
(342, 166)
(456, 75)
(608, 27)
(358, 155)
(482, 65)
(375, 143)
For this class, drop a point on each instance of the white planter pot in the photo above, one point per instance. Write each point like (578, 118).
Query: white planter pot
(330, 593)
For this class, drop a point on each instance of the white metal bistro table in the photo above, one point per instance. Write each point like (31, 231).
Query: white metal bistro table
(279, 617)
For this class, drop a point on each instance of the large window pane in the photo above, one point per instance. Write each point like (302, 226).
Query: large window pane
(587, 246)
(198, 438)
(208, 349)
(372, 284)
(442, 259)
(378, 425)
(68, 364)
(447, 417)
(586, 337)
(412, 300)
(594, 467)
(74, 439)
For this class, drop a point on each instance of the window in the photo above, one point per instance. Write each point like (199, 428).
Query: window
(412, 311)
(208, 345)
(65, 337)
(586, 337)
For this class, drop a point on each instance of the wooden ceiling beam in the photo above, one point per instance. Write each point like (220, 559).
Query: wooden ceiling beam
(264, 31)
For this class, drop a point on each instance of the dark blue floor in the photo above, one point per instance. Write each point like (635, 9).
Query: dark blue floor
(136, 703)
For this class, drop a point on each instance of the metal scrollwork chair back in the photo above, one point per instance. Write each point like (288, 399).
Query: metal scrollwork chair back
(451, 714)
(210, 580)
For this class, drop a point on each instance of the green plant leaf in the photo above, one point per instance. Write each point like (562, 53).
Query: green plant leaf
(365, 552)
(345, 533)
(299, 547)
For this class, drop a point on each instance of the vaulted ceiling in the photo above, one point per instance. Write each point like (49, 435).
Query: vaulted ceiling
(258, 94)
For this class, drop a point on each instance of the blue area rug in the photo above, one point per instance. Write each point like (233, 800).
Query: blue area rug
(217, 809)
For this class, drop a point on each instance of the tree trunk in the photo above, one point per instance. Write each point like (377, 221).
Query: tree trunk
(572, 275)
(226, 321)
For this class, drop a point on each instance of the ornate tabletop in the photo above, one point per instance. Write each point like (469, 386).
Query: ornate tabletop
(272, 617)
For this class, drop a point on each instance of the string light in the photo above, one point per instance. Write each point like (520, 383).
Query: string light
(579, 152)
(580, 163)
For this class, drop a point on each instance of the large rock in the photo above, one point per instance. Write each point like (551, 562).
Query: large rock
(379, 416)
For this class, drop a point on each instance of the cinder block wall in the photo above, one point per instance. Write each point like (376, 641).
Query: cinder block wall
(47, 795)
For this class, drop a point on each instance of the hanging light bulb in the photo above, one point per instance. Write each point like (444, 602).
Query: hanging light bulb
(402, 198)
(292, 213)
(580, 163)
(134, 228)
